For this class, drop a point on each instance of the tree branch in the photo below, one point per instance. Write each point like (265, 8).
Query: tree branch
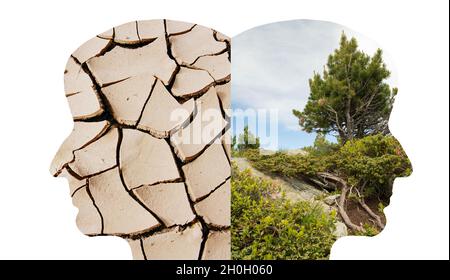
(369, 211)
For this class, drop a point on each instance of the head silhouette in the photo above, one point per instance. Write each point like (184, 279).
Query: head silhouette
(148, 157)
(333, 91)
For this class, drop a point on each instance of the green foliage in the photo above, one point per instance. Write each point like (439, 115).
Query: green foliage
(248, 153)
(350, 98)
(322, 146)
(233, 143)
(268, 227)
(381, 207)
(373, 162)
(289, 165)
(247, 141)
(369, 230)
(370, 163)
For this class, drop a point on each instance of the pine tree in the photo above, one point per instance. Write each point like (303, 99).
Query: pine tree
(247, 140)
(351, 99)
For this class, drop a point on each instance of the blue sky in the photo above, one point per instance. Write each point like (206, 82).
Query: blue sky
(271, 65)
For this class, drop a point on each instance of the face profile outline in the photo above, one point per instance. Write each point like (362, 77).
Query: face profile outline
(276, 76)
(138, 94)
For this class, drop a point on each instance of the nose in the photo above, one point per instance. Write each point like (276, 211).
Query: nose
(83, 134)
(401, 153)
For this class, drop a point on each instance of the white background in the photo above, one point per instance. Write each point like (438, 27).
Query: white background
(36, 214)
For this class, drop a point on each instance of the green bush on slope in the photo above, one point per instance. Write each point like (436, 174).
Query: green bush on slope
(268, 227)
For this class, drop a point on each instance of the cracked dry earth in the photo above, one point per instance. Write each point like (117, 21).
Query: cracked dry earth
(134, 170)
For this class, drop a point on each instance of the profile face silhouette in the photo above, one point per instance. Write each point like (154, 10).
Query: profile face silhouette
(149, 101)
(327, 145)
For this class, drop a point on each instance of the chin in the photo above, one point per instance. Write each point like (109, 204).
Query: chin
(88, 223)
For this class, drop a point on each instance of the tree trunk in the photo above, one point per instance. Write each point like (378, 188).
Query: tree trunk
(342, 200)
(349, 119)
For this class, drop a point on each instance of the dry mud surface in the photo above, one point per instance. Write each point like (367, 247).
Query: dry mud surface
(133, 170)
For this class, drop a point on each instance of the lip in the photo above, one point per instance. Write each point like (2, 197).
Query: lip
(73, 194)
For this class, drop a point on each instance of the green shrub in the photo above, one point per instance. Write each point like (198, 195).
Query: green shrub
(373, 162)
(292, 165)
(247, 140)
(369, 230)
(322, 146)
(265, 226)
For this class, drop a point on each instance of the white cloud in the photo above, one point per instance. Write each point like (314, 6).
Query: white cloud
(271, 64)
